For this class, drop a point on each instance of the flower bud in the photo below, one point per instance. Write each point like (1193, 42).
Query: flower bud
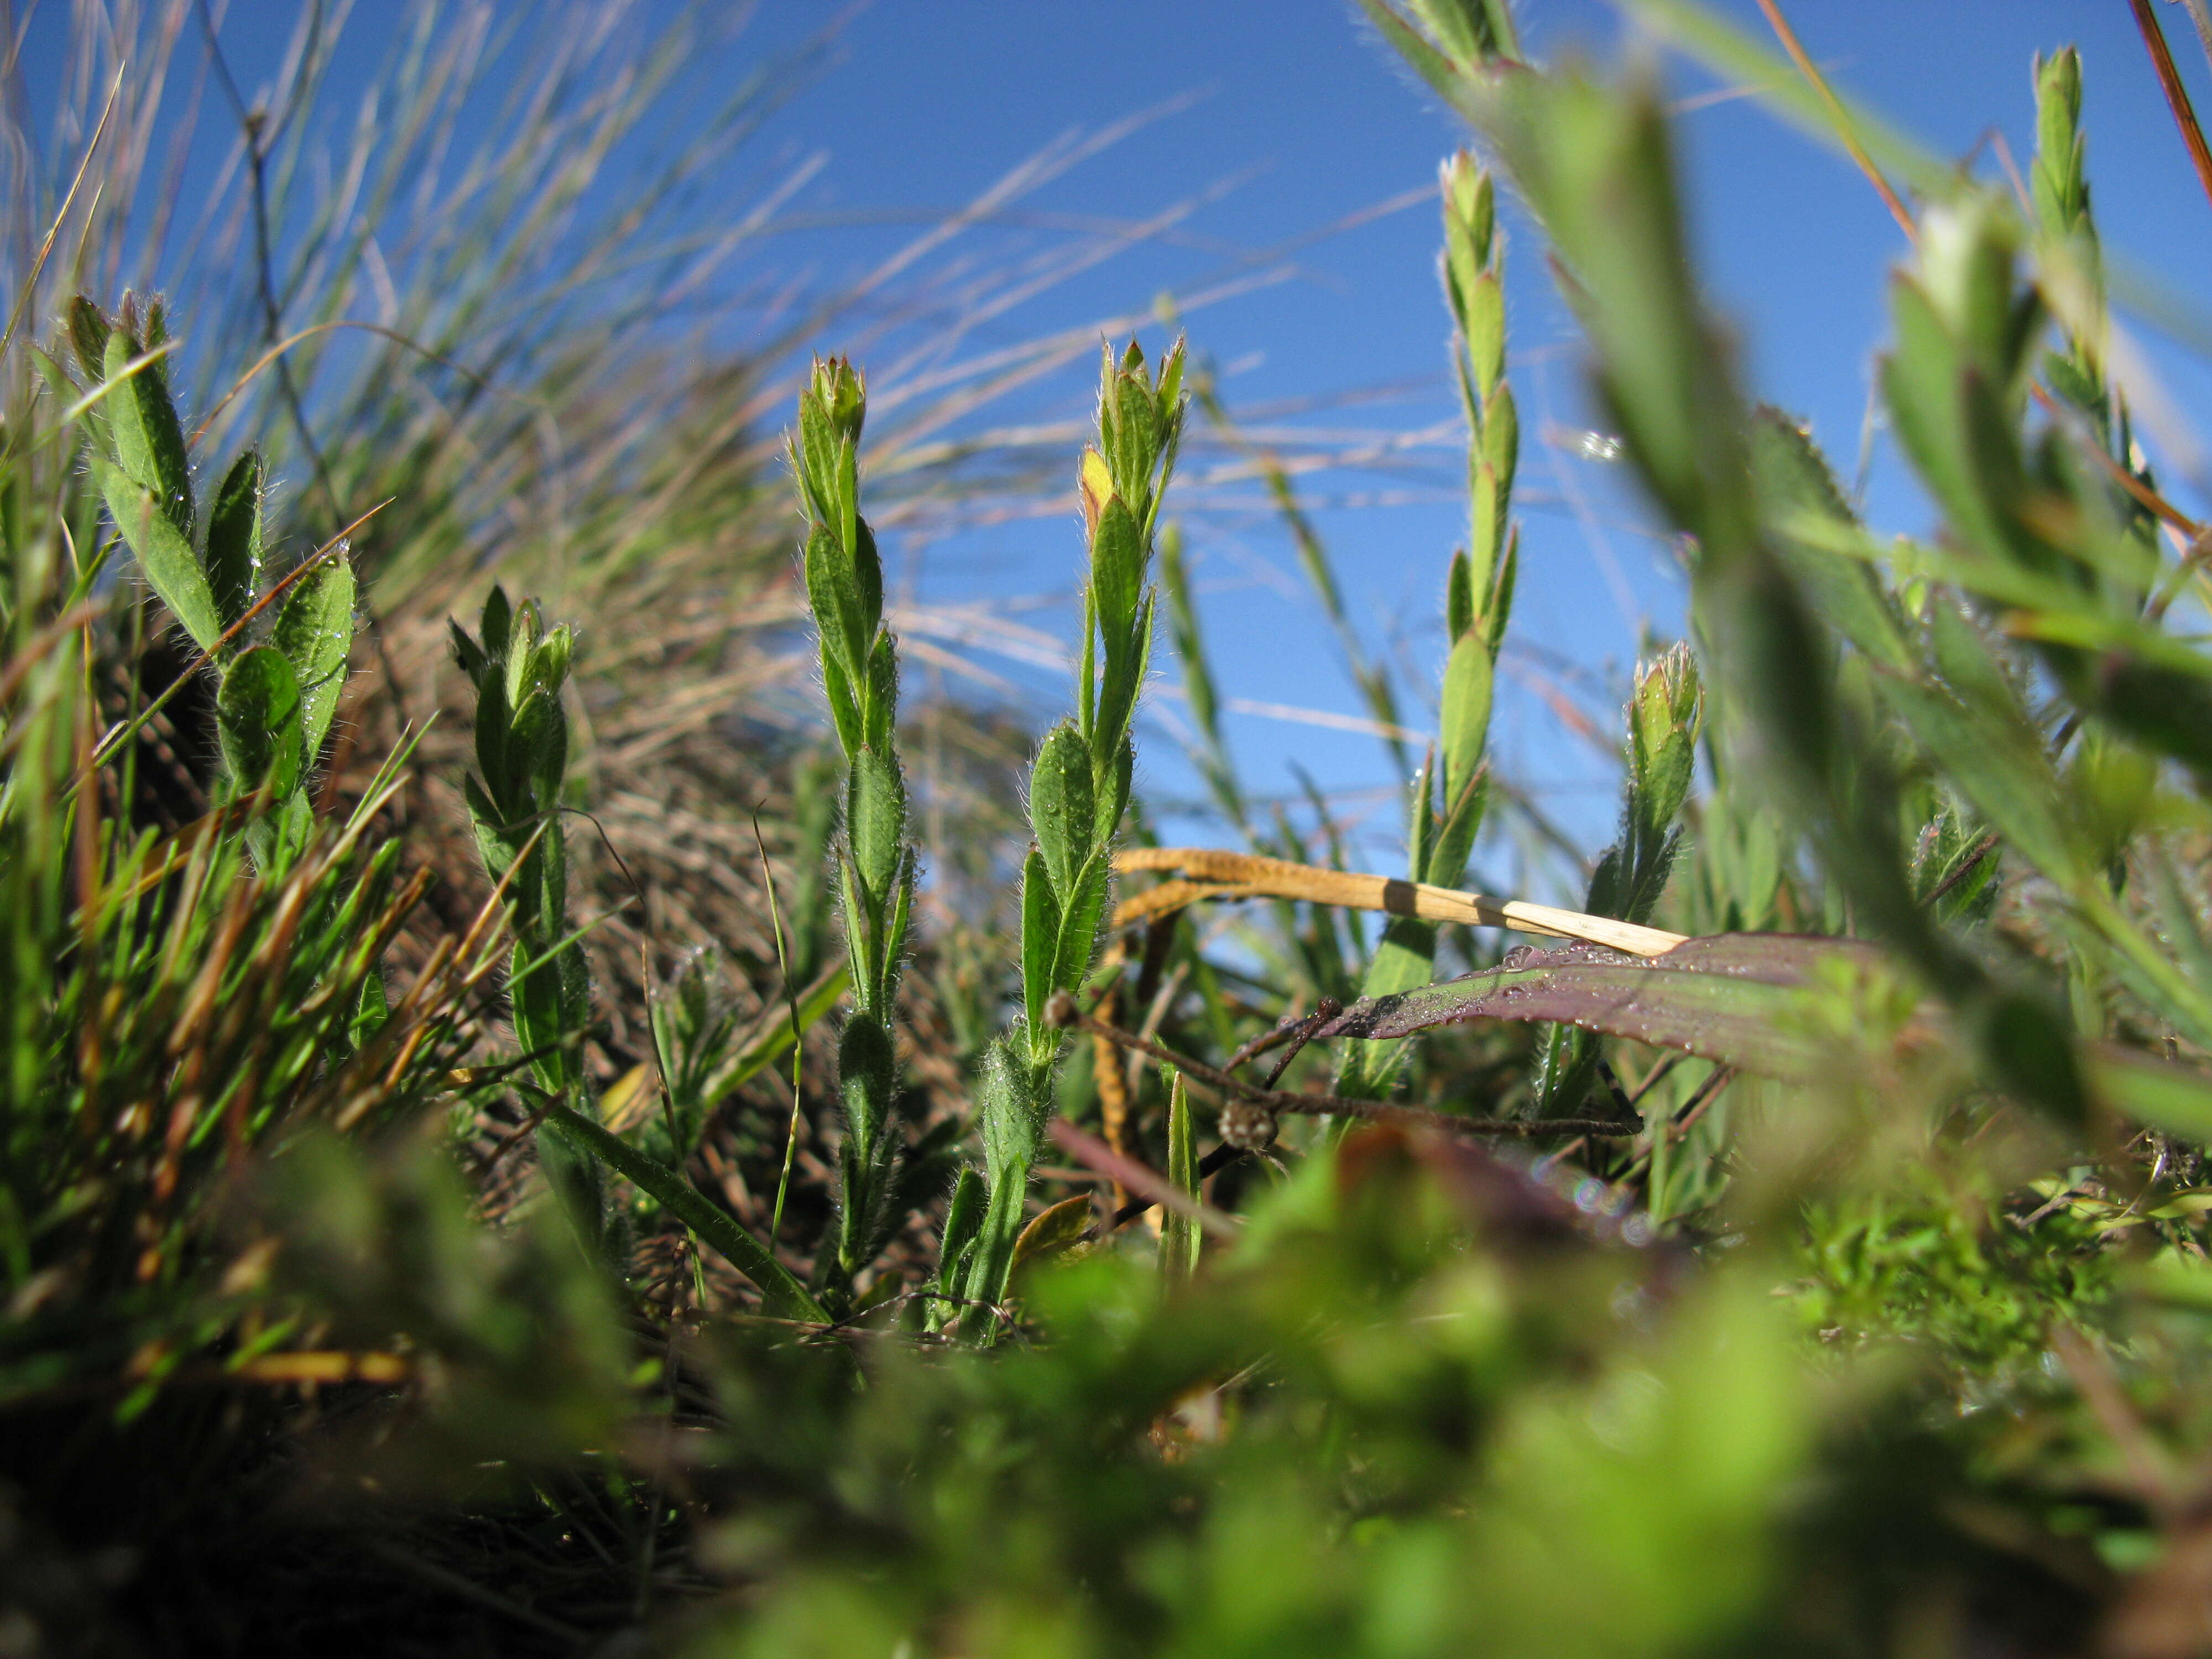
(843, 395)
(1664, 720)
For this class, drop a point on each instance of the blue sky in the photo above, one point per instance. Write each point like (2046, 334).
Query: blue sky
(1288, 119)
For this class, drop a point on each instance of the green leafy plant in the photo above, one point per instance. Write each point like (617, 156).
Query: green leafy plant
(179, 998)
(1448, 793)
(277, 698)
(518, 669)
(1079, 792)
(1630, 877)
(875, 858)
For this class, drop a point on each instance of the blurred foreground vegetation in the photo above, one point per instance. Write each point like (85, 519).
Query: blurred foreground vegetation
(552, 1104)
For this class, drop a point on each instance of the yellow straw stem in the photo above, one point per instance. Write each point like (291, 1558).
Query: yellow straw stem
(1213, 872)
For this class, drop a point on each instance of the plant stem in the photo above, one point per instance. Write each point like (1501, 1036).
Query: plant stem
(798, 1047)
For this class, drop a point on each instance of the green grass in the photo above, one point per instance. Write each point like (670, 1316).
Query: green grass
(409, 1233)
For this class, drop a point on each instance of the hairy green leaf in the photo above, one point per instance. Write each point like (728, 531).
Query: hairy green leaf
(233, 542)
(1117, 571)
(537, 751)
(876, 824)
(1465, 712)
(1459, 597)
(1079, 922)
(1062, 810)
(1041, 922)
(781, 1294)
(314, 630)
(833, 591)
(150, 440)
(88, 329)
(258, 717)
(964, 1216)
(164, 553)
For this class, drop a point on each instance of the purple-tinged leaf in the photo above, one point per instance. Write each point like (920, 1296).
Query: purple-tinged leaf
(1751, 1000)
